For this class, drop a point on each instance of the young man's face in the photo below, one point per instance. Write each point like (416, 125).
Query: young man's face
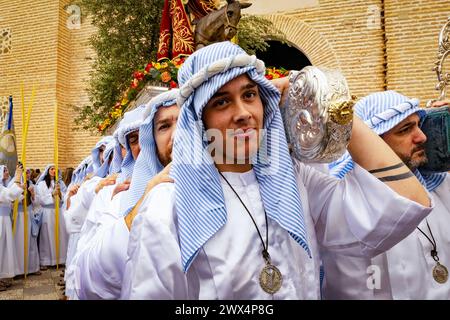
(236, 110)
(407, 141)
(164, 125)
(133, 142)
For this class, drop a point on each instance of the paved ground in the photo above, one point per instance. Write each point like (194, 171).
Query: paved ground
(36, 287)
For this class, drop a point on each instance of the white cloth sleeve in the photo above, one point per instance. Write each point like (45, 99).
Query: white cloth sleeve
(11, 193)
(154, 269)
(358, 215)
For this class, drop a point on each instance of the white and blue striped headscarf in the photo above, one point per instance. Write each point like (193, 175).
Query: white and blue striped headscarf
(200, 200)
(95, 153)
(131, 121)
(382, 111)
(147, 164)
(80, 171)
(103, 171)
(116, 164)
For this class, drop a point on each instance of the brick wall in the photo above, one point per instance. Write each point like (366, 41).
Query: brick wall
(412, 31)
(45, 52)
(353, 34)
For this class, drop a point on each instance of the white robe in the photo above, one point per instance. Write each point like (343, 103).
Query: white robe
(47, 247)
(228, 265)
(98, 235)
(8, 257)
(404, 271)
(75, 216)
(33, 253)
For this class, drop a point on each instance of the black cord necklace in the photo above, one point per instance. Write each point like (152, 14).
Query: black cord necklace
(440, 272)
(270, 278)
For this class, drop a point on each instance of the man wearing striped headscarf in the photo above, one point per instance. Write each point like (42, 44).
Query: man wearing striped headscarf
(95, 198)
(415, 268)
(100, 261)
(243, 220)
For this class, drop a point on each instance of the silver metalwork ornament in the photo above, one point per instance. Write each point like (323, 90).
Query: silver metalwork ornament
(318, 114)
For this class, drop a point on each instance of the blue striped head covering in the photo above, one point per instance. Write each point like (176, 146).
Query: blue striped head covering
(87, 167)
(132, 120)
(95, 153)
(80, 171)
(103, 171)
(147, 164)
(200, 200)
(116, 163)
(382, 111)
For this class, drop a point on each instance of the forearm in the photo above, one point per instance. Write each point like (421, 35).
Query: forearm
(373, 154)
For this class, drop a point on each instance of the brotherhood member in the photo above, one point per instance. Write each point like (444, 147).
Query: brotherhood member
(125, 149)
(105, 253)
(415, 268)
(81, 196)
(243, 220)
(46, 192)
(8, 253)
(32, 246)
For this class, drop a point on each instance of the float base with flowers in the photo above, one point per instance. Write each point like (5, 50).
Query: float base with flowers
(155, 78)
(176, 40)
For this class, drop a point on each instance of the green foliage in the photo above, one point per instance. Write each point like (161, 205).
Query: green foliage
(126, 39)
(253, 33)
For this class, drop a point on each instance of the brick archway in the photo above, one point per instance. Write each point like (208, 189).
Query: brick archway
(307, 40)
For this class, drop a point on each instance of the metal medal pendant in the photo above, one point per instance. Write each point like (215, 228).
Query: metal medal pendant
(270, 279)
(440, 273)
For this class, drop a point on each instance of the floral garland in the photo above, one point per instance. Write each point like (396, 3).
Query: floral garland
(165, 73)
(274, 73)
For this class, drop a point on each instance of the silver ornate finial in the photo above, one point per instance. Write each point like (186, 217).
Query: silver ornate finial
(318, 114)
(443, 52)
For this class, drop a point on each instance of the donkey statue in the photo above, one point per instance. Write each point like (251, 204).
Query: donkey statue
(218, 25)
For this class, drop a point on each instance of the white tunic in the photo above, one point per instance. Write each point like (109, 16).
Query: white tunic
(74, 218)
(229, 264)
(33, 253)
(103, 235)
(47, 247)
(403, 272)
(8, 257)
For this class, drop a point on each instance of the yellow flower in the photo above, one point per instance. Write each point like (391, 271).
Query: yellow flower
(157, 66)
(124, 101)
(164, 65)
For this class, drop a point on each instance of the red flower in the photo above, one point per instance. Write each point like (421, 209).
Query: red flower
(148, 67)
(138, 75)
(134, 83)
(173, 84)
(269, 76)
